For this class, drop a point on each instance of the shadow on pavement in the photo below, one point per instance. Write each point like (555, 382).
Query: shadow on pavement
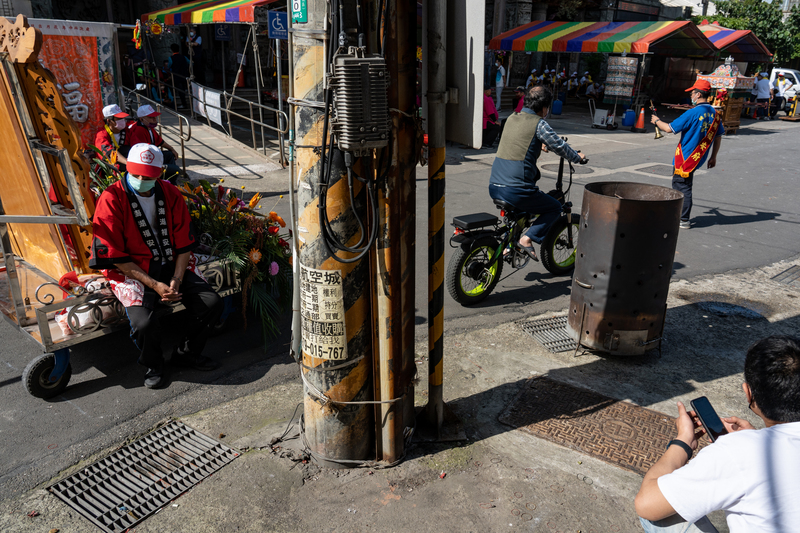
(714, 217)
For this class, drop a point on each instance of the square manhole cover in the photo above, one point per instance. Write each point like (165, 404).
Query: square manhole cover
(660, 170)
(614, 431)
(118, 492)
(550, 332)
(790, 276)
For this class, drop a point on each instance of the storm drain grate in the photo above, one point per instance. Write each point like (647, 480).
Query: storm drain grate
(790, 276)
(661, 170)
(614, 431)
(550, 332)
(118, 492)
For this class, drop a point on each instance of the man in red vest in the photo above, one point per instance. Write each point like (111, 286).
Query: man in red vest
(701, 129)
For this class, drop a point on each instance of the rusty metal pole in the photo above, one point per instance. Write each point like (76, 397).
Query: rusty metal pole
(437, 87)
(335, 302)
(392, 257)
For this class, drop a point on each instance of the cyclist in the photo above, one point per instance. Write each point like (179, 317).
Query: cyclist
(514, 172)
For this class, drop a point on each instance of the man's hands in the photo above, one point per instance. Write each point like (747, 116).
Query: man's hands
(689, 427)
(712, 161)
(733, 423)
(168, 293)
(653, 119)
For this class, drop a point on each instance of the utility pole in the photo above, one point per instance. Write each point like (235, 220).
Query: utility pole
(335, 296)
(394, 255)
(437, 92)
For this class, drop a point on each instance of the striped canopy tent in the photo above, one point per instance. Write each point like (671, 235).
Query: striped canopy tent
(743, 45)
(674, 39)
(208, 12)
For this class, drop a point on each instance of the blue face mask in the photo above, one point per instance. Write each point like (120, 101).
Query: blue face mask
(141, 185)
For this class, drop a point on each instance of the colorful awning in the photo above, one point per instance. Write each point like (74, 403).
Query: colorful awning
(743, 45)
(207, 12)
(676, 39)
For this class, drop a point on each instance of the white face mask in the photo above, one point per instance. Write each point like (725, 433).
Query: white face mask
(120, 124)
(191, 34)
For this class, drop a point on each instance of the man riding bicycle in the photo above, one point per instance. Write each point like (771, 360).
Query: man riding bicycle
(514, 172)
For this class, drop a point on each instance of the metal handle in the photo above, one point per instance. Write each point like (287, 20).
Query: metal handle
(584, 285)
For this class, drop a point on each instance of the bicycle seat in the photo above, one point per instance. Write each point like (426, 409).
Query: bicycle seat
(504, 205)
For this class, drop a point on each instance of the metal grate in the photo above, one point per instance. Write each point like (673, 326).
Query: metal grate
(551, 333)
(118, 492)
(790, 276)
(661, 170)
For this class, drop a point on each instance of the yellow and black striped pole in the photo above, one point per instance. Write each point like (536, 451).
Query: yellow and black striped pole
(437, 85)
(335, 297)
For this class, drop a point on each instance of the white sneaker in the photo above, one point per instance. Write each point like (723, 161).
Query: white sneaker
(685, 224)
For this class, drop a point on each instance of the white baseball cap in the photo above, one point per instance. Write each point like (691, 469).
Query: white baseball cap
(547, 71)
(586, 73)
(114, 111)
(575, 73)
(146, 110)
(534, 70)
(145, 160)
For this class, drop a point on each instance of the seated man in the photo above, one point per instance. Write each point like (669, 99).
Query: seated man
(144, 129)
(143, 243)
(490, 126)
(754, 475)
(111, 138)
(593, 92)
(514, 172)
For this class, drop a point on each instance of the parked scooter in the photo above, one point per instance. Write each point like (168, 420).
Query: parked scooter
(485, 242)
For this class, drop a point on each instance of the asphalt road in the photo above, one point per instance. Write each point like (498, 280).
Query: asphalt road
(745, 215)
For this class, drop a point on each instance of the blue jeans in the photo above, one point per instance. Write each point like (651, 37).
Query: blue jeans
(531, 202)
(676, 524)
(684, 185)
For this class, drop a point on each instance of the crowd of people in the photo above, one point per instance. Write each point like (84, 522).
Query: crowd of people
(770, 97)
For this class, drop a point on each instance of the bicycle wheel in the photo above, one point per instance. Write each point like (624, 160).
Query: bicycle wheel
(467, 278)
(558, 256)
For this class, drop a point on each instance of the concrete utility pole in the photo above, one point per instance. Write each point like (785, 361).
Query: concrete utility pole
(335, 296)
(437, 87)
(394, 256)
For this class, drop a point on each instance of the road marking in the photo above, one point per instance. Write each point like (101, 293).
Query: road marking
(81, 411)
(609, 140)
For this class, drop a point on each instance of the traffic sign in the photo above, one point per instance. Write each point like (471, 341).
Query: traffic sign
(278, 25)
(299, 11)
(222, 32)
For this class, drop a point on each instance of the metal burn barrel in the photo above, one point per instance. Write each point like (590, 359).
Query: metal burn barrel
(627, 242)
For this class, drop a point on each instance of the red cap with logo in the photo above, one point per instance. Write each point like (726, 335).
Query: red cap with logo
(145, 160)
(700, 85)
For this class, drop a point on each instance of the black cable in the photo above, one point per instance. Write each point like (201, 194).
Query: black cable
(359, 15)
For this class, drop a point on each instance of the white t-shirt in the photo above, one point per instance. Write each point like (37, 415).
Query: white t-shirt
(782, 87)
(500, 78)
(754, 475)
(763, 88)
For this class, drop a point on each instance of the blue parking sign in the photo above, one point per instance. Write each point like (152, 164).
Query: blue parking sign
(222, 32)
(278, 25)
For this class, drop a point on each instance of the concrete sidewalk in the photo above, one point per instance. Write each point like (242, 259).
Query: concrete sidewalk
(498, 479)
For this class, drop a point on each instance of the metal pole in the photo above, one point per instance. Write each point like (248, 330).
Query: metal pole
(224, 81)
(437, 87)
(279, 121)
(334, 432)
(257, 58)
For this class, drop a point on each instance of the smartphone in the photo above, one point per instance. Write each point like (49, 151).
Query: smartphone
(708, 417)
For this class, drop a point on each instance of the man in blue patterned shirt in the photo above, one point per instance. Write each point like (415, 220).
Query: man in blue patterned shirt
(514, 172)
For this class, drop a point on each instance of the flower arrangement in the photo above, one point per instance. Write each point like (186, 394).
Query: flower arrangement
(253, 245)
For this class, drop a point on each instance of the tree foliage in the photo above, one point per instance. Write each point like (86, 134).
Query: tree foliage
(763, 19)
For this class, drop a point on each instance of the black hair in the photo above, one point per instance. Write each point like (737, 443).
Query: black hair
(175, 47)
(772, 370)
(703, 94)
(500, 59)
(537, 98)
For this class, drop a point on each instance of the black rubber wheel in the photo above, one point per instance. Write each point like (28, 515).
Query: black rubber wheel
(468, 281)
(558, 257)
(36, 377)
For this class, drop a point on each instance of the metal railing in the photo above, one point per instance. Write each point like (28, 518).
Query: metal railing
(153, 81)
(184, 136)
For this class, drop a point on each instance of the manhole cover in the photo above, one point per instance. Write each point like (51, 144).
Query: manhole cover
(579, 169)
(726, 309)
(550, 332)
(617, 432)
(118, 492)
(790, 276)
(661, 170)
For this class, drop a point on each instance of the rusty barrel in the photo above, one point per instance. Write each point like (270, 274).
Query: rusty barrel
(627, 242)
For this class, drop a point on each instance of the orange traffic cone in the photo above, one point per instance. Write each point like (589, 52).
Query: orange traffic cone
(639, 126)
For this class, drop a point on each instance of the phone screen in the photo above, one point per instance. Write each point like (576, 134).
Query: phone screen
(709, 418)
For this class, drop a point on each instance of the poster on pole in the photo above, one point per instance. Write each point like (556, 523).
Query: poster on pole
(82, 57)
(621, 77)
(212, 107)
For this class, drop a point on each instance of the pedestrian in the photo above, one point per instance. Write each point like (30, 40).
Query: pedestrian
(144, 130)
(195, 44)
(751, 474)
(701, 129)
(532, 80)
(781, 86)
(491, 128)
(499, 82)
(764, 95)
(143, 243)
(572, 85)
(179, 67)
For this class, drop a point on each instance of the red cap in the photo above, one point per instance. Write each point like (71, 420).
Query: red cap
(700, 85)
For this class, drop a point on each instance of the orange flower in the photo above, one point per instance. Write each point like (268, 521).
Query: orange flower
(232, 203)
(187, 187)
(254, 200)
(273, 216)
(281, 222)
(198, 190)
(255, 256)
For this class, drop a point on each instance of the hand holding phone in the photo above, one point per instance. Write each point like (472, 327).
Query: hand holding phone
(708, 418)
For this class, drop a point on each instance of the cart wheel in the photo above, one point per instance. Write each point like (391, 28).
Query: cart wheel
(36, 377)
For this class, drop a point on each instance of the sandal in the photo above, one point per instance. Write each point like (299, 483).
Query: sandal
(530, 251)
